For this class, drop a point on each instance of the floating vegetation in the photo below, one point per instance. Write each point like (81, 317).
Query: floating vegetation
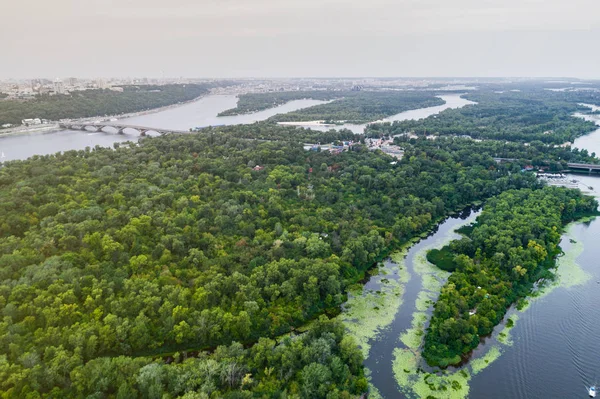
(569, 272)
(367, 313)
(481, 363)
(404, 367)
(424, 300)
(413, 337)
(417, 383)
(374, 392)
(504, 336)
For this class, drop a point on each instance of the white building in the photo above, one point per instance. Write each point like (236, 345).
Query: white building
(31, 121)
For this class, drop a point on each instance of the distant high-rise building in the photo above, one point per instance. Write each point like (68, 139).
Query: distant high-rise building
(72, 82)
(59, 87)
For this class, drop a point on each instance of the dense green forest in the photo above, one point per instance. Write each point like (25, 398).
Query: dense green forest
(522, 116)
(363, 107)
(91, 103)
(265, 131)
(110, 259)
(253, 102)
(538, 154)
(511, 247)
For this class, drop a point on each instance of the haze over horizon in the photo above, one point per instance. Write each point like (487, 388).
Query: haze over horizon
(300, 38)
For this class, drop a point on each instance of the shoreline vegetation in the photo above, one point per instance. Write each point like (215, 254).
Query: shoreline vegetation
(354, 107)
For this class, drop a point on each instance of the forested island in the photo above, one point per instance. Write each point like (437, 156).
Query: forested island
(362, 107)
(90, 103)
(254, 102)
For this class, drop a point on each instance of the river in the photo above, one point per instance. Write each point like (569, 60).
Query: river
(199, 113)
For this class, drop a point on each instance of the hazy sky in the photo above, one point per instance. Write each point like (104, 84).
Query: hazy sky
(279, 38)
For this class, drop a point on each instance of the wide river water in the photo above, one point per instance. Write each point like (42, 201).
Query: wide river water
(553, 348)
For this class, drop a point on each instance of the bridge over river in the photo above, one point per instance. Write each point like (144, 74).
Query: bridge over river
(584, 166)
(118, 127)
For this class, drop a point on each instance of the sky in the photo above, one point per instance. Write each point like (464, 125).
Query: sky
(299, 38)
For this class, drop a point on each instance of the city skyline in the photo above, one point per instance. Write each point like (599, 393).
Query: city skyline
(231, 39)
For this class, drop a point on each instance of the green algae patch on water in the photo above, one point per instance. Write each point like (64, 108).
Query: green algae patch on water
(413, 337)
(504, 337)
(368, 312)
(419, 384)
(432, 283)
(374, 392)
(569, 272)
(481, 363)
(404, 367)
(452, 386)
(424, 301)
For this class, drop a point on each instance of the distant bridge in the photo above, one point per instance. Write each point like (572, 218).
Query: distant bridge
(585, 166)
(120, 128)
